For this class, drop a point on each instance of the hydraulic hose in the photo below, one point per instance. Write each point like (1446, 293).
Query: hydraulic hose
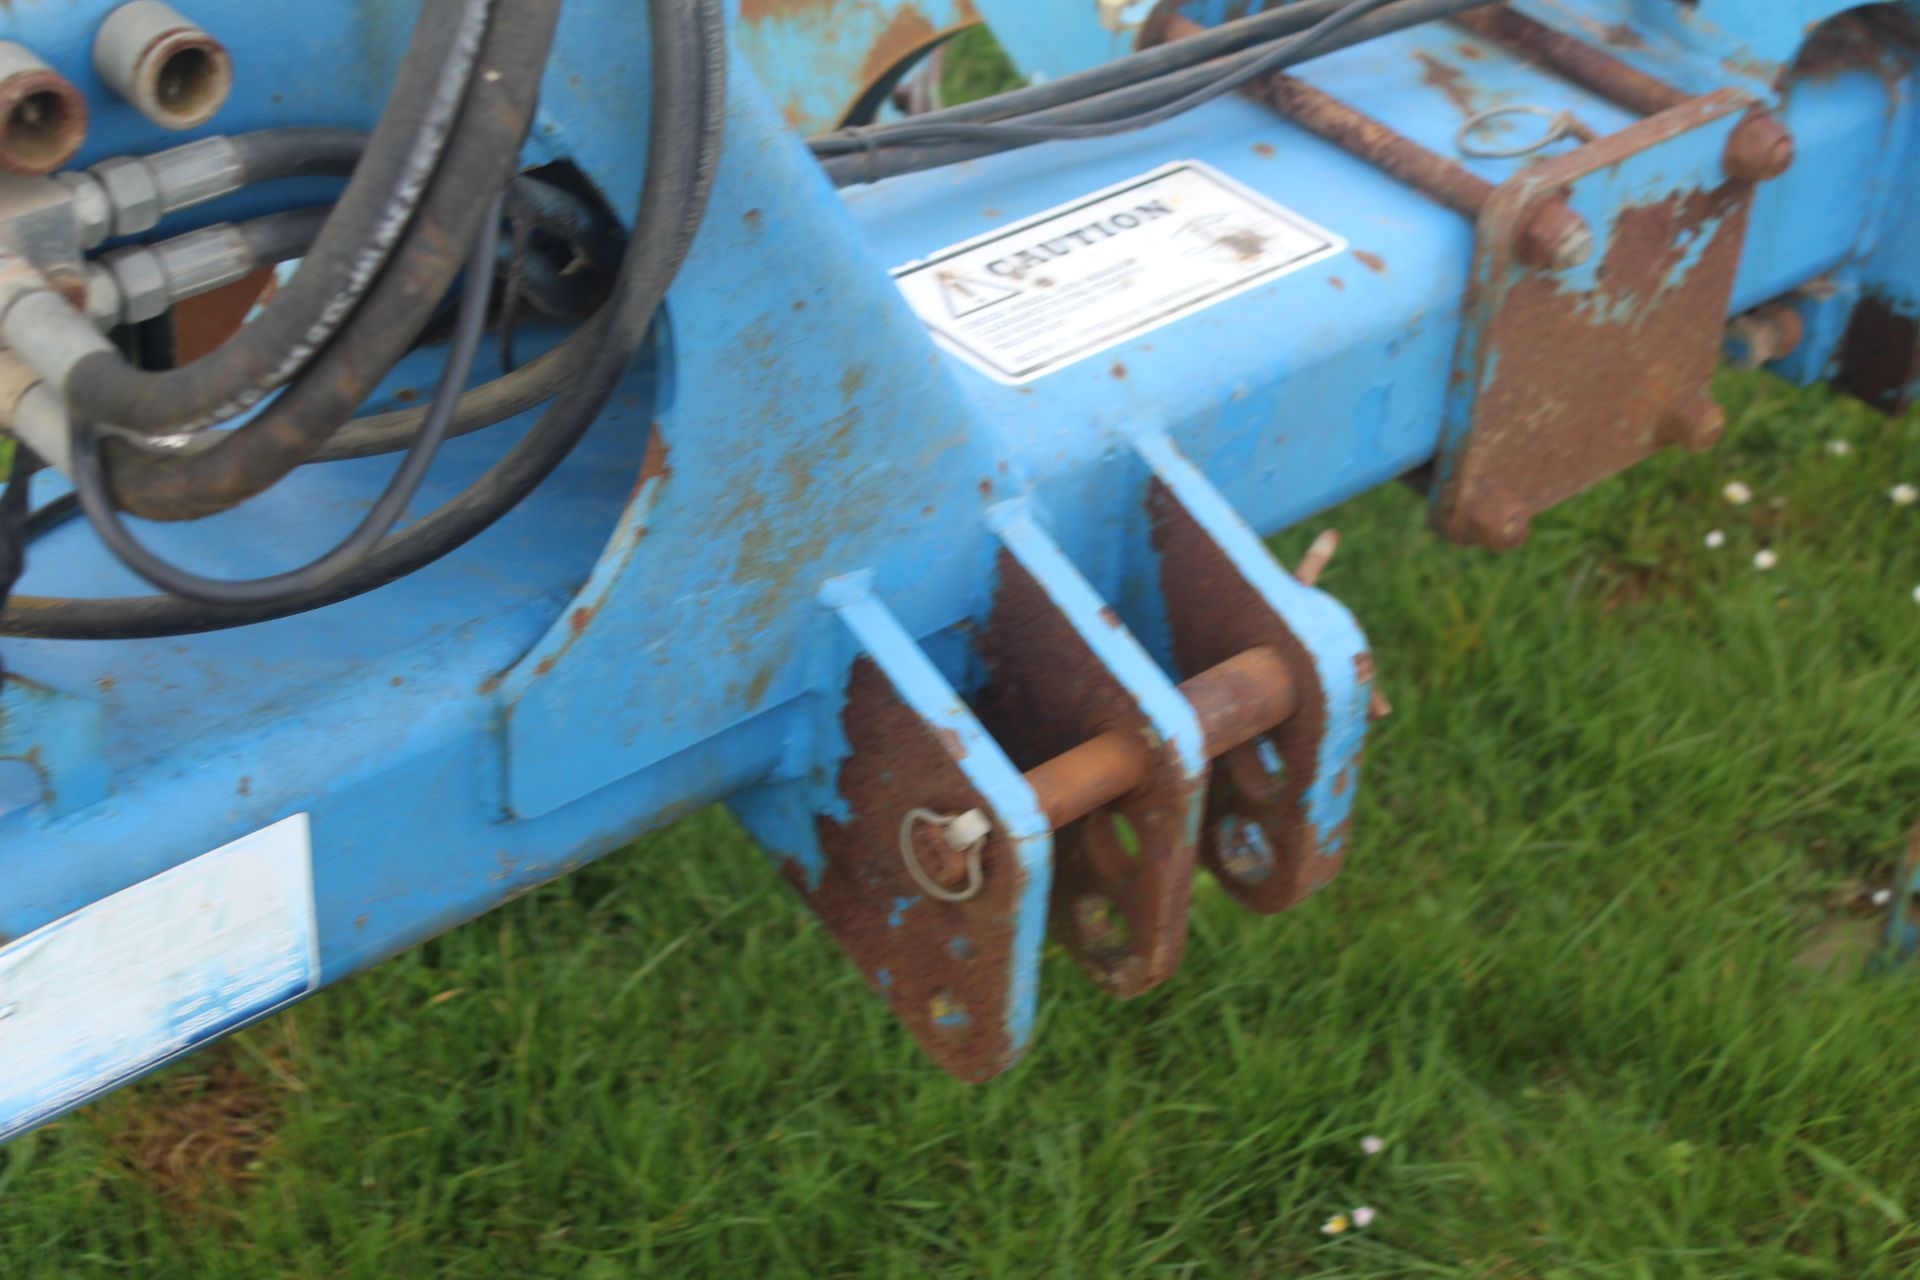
(688, 98)
(90, 484)
(297, 151)
(241, 463)
(373, 212)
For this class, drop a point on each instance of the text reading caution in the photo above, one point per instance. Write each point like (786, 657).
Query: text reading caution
(1056, 288)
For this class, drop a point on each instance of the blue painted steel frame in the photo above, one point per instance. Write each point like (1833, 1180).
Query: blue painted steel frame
(613, 656)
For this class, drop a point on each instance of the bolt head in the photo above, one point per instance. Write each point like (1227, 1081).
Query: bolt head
(1555, 238)
(1760, 149)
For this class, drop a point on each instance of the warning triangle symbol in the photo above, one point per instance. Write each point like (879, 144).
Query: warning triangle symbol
(965, 295)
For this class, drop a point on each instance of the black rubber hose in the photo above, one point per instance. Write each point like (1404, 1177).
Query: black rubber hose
(90, 483)
(297, 151)
(1147, 64)
(281, 237)
(688, 99)
(921, 143)
(377, 205)
(189, 484)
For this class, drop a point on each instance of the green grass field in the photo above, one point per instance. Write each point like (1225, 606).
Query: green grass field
(1594, 974)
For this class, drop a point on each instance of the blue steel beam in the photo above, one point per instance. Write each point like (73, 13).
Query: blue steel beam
(647, 634)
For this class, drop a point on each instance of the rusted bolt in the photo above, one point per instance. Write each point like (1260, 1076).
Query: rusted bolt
(43, 118)
(1497, 521)
(1695, 422)
(1760, 149)
(1765, 334)
(1554, 238)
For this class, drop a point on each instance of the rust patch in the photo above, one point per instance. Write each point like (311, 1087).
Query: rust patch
(246, 785)
(1881, 41)
(765, 10)
(1449, 80)
(1622, 36)
(1575, 387)
(852, 380)
(1471, 52)
(1263, 148)
(897, 936)
(1048, 693)
(1371, 261)
(1108, 616)
(1339, 285)
(581, 618)
(1119, 371)
(1880, 354)
(1215, 614)
(1583, 63)
(902, 38)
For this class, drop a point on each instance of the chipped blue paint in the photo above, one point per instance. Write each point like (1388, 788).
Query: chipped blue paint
(615, 655)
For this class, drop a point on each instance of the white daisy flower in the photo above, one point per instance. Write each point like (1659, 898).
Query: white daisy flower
(1839, 448)
(1881, 897)
(1716, 540)
(1904, 495)
(1765, 559)
(1737, 493)
(1336, 1225)
(1363, 1216)
(1372, 1145)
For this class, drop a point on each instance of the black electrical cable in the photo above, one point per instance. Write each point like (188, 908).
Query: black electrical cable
(688, 99)
(55, 513)
(379, 202)
(89, 478)
(869, 155)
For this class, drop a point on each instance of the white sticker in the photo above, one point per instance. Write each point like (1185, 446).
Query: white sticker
(149, 973)
(1027, 299)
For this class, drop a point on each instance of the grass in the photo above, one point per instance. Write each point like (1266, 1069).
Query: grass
(1578, 975)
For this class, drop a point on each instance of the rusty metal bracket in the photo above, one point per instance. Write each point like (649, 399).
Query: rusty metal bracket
(1572, 368)
(1115, 755)
(1280, 798)
(960, 972)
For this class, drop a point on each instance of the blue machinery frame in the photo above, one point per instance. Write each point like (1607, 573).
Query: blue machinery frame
(816, 565)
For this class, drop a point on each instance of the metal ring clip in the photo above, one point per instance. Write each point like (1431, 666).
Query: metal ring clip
(1560, 124)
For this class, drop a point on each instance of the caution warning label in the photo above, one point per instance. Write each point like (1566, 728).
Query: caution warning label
(1027, 299)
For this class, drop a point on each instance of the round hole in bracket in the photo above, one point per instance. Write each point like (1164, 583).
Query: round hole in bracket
(1102, 927)
(1243, 849)
(1113, 845)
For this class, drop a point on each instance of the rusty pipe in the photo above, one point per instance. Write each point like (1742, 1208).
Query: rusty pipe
(1235, 702)
(1576, 60)
(1354, 131)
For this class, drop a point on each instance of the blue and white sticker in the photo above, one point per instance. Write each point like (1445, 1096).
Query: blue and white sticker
(150, 973)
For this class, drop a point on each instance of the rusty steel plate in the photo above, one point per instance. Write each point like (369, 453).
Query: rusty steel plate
(1123, 874)
(1566, 377)
(1257, 836)
(947, 968)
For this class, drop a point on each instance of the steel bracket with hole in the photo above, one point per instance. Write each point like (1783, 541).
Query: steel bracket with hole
(1063, 672)
(960, 971)
(1279, 801)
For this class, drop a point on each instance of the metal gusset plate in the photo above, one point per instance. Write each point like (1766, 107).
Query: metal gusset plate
(1582, 357)
(1277, 806)
(960, 972)
(1062, 670)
